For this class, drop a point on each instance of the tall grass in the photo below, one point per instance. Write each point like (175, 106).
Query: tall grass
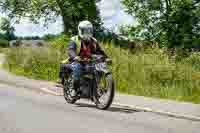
(153, 73)
(37, 63)
(147, 73)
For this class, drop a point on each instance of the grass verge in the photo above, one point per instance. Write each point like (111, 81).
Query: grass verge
(149, 73)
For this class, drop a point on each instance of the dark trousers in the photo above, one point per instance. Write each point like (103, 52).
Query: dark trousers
(74, 67)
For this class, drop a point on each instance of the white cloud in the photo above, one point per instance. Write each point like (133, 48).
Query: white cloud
(113, 14)
(109, 8)
(25, 28)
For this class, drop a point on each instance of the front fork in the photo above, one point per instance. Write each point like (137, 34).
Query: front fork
(94, 87)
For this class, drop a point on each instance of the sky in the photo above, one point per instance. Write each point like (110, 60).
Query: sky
(112, 14)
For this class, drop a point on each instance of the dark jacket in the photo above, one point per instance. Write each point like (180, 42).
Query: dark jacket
(92, 46)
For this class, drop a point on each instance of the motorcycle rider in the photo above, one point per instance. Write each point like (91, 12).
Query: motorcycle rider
(82, 46)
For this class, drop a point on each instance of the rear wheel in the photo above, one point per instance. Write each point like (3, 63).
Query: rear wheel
(105, 92)
(68, 90)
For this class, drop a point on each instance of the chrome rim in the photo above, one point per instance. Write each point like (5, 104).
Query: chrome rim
(103, 90)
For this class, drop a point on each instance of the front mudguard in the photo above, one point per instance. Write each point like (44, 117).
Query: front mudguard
(66, 61)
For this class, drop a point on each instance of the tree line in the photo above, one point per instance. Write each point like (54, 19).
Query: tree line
(170, 23)
(7, 30)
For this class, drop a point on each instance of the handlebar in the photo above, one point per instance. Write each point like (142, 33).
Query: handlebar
(96, 58)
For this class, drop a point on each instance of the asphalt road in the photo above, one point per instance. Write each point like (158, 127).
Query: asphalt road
(28, 111)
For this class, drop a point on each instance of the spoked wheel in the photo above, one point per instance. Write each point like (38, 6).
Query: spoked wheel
(68, 90)
(105, 92)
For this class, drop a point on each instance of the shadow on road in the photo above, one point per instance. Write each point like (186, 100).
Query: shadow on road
(111, 109)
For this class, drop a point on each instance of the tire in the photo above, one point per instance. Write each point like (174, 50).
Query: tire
(106, 105)
(67, 84)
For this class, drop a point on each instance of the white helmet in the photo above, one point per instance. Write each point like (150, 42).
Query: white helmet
(85, 30)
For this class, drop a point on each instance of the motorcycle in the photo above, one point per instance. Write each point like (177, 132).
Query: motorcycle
(96, 84)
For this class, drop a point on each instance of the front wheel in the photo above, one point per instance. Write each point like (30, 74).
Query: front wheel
(105, 92)
(68, 90)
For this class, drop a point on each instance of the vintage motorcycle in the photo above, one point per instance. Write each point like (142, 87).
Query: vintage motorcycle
(96, 84)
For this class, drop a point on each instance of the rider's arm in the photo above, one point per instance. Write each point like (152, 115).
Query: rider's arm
(100, 51)
(72, 50)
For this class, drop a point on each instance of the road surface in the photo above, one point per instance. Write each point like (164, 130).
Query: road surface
(27, 111)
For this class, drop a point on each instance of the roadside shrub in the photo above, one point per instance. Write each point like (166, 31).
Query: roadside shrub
(4, 43)
(194, 60)
(60, 43)
(17, 43)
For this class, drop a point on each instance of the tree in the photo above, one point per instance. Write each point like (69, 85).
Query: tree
(71, 11)
(2, 36)
(172, 23)
(7, 28)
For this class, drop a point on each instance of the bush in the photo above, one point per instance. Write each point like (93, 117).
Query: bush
(17, 43)
(4, 43)
(194, 60)
(60, 43)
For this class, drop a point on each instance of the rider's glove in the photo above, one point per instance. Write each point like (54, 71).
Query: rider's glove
(77, 58)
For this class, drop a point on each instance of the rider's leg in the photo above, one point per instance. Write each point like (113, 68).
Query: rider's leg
(64, 70)
(76, 73)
